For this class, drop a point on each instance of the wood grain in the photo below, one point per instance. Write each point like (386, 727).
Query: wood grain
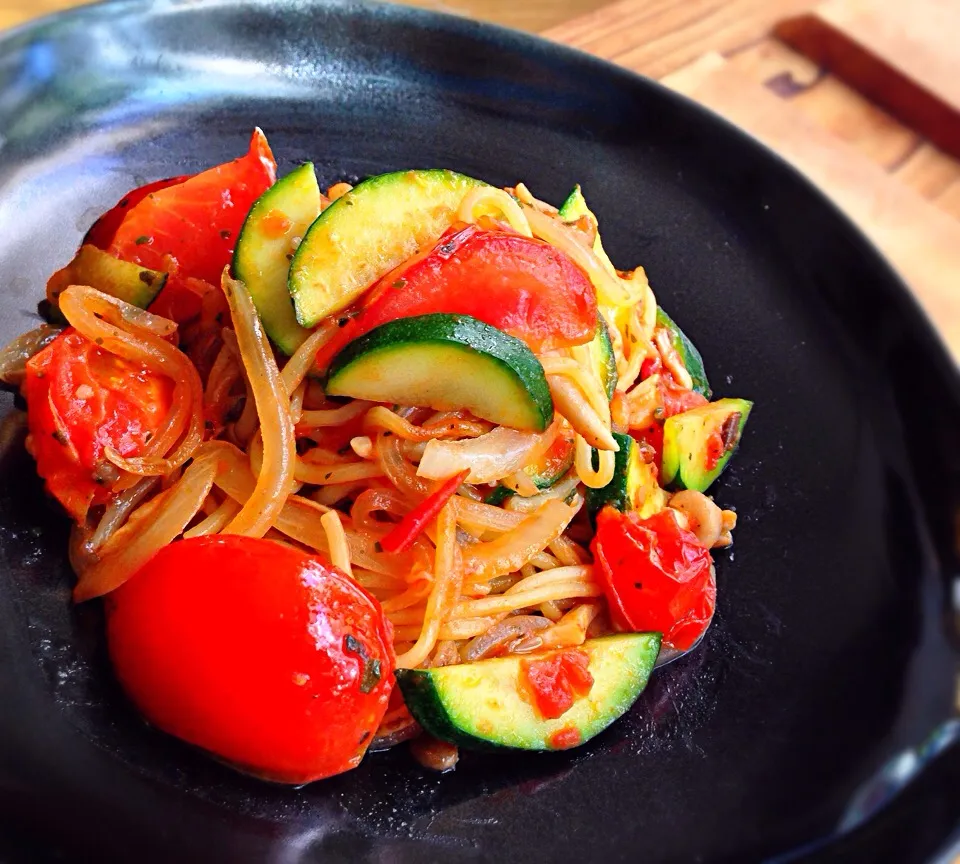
(853, 118)
(656, 37)
(903, 56)
(922, 242)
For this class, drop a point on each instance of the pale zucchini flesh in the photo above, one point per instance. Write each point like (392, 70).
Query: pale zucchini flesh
(481, 704)
(266, 246)
(121, 279)
(685, 438)
(367, 232)
(446, 362)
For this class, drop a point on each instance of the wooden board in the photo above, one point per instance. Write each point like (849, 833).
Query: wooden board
(900, 188)
(657, 37)
(903, 56)
(922, 242)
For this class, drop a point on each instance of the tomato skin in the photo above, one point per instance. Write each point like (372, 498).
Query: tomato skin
(565, 738)
(520, 285)
(81, 399)
(676, 399)
(254, 651)
(557, 681)
(190, 229)
(102, 232)
(656, 576)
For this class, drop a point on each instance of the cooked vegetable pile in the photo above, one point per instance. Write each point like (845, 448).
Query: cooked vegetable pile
(436, 470)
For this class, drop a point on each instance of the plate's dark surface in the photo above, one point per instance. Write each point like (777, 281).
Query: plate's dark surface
(830, 655)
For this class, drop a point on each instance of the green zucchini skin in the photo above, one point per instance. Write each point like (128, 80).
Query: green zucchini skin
(261, 259)
(688, 353)
(685, 442)
(124, 280)
(446, 362)
(479, 705)
(572, 209)
(367, 232)
(605, 361)
(633, 487)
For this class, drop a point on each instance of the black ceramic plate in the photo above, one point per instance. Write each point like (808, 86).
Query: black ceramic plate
(792, 731)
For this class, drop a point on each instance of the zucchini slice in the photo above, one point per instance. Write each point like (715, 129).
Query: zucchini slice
(446, 362)
(576, 207)
(481, 705)
(633, 486)
(101, 270)
(605, 362)
(265, 247)
(363, 235)
(688, 353)
(698, 444)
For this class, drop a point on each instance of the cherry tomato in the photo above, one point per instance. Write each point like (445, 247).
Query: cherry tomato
(81, 399)
(103, 231)
(677, 399)
(557, 681)
(523, 286)
(263, 655)
(656, 575)
(189, 229)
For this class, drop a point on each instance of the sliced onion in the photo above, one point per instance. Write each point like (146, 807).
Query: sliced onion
(434, 754)
(498, 636)
(14, 356)
(385, 739)
(510, 551)
(490, 457)
(560, 491)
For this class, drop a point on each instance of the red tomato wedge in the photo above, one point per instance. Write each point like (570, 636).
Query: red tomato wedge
(81, 399)
(103, 231)
(189, 229)
(520, 285)
(656, 575)
(676, 399)
(263, 655)
(557, 681)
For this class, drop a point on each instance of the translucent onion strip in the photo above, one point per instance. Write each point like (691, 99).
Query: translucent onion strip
(510, 551)
(299, 518)
(216, 521)
(260, 511)
(559, 491)
(148, 530)
(489, 458)
(296, 368)
(446, 586)
(119, 508)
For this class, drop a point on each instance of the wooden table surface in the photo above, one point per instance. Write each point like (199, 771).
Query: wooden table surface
(860, 95)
